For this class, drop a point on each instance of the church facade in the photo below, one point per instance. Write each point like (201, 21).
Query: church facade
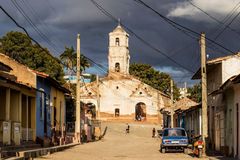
(120, 96)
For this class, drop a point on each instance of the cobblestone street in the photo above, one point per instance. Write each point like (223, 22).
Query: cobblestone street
(138, 145)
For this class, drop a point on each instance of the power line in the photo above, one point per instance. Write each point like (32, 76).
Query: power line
(45, 27)
(138, 37)
(36, 42)
(227, 17)
(230, 14)
(227, 25)
(102, 68)
(171, 22)
(26, 32)
(174, 24)
(29, 20)
(213, 18)
(18, 25)
(218, 21)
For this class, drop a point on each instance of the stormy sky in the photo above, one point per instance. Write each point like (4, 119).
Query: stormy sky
(55, 24)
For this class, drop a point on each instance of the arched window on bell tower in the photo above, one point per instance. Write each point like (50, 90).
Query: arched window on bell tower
(117, 67)
(117, 42)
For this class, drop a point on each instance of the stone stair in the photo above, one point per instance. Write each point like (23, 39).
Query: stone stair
(136, 128)
(11, 151)
(129, 120)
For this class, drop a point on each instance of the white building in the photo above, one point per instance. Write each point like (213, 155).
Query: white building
(183, 91)
(123, 96)
(85, 78)
(223, 104)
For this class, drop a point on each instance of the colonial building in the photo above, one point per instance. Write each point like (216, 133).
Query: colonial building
(230, 93)
(17, 102)
(223, 100)
(179, 118)
(122, 96)
(30, 103)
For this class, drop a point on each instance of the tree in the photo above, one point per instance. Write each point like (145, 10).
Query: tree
(69, 58)
(195, 92)
(158, 80)
(19, 46)
(93, 77)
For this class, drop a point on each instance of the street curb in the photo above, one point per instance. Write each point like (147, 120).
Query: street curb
(41, 152)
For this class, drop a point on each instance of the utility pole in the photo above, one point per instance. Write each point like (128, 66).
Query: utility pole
(78, 104)
(98, 99)
(172, 103)
(204, 91)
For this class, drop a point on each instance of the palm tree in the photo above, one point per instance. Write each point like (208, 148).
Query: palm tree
(69, 58)
(84, 63)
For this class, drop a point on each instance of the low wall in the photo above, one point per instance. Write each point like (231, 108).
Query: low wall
(43, 151)
(154, 119)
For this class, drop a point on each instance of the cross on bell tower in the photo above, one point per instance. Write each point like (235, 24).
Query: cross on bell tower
(119, 21)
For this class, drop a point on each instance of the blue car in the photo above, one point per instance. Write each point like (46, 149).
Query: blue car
(174, 139)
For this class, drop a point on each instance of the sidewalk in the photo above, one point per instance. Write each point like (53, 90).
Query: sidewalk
(218, 156)
(27, 154)
(221, 158)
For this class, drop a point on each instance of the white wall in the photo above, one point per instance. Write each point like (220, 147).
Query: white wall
(118, 53)
(124, 97)
(230, 67)
(236, 101)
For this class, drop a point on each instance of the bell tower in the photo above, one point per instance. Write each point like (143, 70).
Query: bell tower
(118, 52)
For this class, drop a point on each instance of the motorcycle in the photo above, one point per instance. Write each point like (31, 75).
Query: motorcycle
(198, 146)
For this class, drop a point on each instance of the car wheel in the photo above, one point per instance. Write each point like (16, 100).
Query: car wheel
(163, 150)
(185, 150)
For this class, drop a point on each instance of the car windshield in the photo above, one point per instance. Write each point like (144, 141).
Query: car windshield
(174, 132)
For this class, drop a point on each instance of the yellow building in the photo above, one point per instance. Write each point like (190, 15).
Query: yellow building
(58, 104)
(17, 108)
(31, 102)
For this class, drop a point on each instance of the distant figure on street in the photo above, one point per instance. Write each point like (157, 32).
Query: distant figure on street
(128, 128)
(153, 132)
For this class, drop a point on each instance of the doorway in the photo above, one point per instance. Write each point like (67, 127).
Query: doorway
(140, 111)
(91, 110)
(117, 112)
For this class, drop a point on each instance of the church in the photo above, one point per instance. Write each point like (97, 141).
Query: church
(119, 95)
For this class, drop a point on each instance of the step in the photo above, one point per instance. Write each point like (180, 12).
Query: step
(10, 151)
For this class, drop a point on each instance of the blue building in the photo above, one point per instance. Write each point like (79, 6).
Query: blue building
(50, 105)
(43, 111)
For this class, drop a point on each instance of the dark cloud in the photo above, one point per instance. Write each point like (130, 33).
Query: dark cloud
(61, 20)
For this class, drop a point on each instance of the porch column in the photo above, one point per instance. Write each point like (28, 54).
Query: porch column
(8, 98)
(20, 108)
(27, 117)
(200, 121)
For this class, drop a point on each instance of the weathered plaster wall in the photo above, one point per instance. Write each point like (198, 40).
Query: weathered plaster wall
(23, 73)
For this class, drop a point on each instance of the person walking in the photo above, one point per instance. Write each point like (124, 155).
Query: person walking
(128, 129)
(153, 132)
